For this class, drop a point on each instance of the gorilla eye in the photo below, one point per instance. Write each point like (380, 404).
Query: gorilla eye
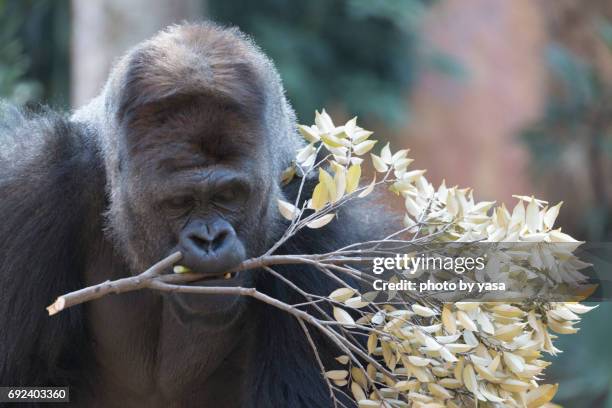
(226, 196)
(229, 197)
(179, 202)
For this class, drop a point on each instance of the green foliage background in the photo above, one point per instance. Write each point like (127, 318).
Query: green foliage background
(360, 52)
(34, 51)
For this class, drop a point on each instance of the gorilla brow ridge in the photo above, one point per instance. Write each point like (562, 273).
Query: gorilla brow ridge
(152, 77)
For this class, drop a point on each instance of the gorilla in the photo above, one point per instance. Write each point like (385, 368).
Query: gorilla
(182, 150)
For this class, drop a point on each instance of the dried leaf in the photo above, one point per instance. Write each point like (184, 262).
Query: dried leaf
(448, 320)
(358, 392)
(310, 133)
(366, 191)
(320, 197)
(327, 180)
(343, 359)
(321, 221)
(287, 210)
(342, 294)
(385, 154)
(541, 395)
(363, 147)
(422, 310)
(352, 178)
(551, 215)
(343, 317)
(379, 164)
(336, 374)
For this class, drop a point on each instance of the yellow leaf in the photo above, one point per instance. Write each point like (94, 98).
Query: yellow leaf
(541, 395)
(372, 342)
(450, 383)
(532, 217)
(406, 385)
(342, 316)
(466, 322)
(439, 391)
(419, 361)
(309, 133)
(422, 310)
(358, 376)
(447, 355)
(352, 178)
(287, 210)
(343, 359)
(515, 363)
(513, 385)
(360, 135)
(307, 154)
(321, 221)
(379, 164)
(385, 154)
(363, 147)
(357, 392)
(326, 179)
(448, 320)
(331, 141)
(319, 197)
(366, 403)
(469, 379)
(368, 190)
(342, 294)
(551, 215)
(324, 121)
(399, 155)
(340, 182)
(336, 374)
(356, 302)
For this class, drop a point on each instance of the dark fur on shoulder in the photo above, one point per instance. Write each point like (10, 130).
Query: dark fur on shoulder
(50, 179)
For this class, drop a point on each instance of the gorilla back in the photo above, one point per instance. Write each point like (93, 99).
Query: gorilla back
(182, 150)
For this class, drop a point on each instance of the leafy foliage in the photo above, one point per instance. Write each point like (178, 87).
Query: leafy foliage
(426, 353)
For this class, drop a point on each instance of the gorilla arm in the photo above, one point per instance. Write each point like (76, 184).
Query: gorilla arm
(50, 184)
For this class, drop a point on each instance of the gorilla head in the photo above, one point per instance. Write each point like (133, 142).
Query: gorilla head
(200, 133)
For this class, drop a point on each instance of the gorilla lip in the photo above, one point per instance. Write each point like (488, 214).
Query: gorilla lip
(225, 275)
(234, 279)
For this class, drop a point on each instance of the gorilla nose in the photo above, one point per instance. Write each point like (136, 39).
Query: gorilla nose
(210, 248)
(209, 239)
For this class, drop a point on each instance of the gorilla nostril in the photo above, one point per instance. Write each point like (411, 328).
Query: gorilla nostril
(200, 242)
(218, 240)
(204, 241)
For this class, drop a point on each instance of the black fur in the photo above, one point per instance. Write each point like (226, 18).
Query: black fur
(50, 180)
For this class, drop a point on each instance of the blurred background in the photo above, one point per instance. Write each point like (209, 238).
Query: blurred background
(508, 97)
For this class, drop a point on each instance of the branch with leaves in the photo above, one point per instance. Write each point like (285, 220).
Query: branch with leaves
(410, 349)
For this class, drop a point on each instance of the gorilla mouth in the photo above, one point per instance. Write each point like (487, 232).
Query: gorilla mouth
(228, 279)
(218, 277)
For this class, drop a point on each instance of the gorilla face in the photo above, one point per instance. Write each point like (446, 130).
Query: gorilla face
(194, 181)
(196, 134)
